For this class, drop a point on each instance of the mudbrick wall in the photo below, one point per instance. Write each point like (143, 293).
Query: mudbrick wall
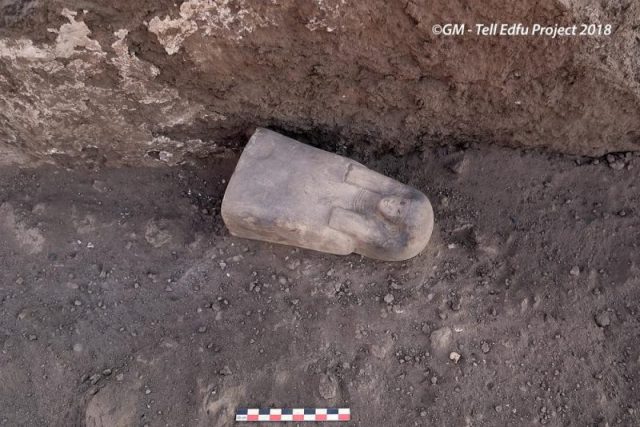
(126, 81)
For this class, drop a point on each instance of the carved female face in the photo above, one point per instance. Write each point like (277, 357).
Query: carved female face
(394, 208)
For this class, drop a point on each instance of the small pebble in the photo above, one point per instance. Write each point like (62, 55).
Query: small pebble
(603, 319)
(616, 165)
(95, 378)
(454, 356)
(388, 298)
(294, 264)
(458, 165)
(455, 303)
(575, 271)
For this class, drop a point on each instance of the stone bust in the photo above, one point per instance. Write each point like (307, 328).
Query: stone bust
(283, 191)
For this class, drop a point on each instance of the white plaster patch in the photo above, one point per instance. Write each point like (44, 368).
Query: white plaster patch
(165, 146)
(28, 238)
(73, 35)
(212, 17)
(23, 49)
(70, 37)
(331, 13)
(171, 33)
(165, 156)
(54, 93)
(160, 140)
(12, 156)
(136, 74)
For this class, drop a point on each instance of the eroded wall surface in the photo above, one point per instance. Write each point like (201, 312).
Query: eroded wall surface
(155, 80)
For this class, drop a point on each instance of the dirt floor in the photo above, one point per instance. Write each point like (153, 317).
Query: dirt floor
(124, 301)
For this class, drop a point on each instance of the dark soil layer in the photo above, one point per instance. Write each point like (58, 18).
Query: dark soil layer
(125, 302)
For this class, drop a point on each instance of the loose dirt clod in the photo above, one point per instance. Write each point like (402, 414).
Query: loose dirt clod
(328, 387)
(603, 319)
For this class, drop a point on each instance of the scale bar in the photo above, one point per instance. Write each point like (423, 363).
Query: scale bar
(293, 414)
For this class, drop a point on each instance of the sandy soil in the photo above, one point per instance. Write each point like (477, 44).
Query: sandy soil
(125, 302)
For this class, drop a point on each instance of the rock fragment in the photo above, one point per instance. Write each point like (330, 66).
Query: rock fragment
(458, 165)
(455, 303)
(95, 378)
(603, 319)
(441, 339)
(328, 386)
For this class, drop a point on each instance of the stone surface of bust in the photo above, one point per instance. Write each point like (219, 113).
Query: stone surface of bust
(283, 191)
